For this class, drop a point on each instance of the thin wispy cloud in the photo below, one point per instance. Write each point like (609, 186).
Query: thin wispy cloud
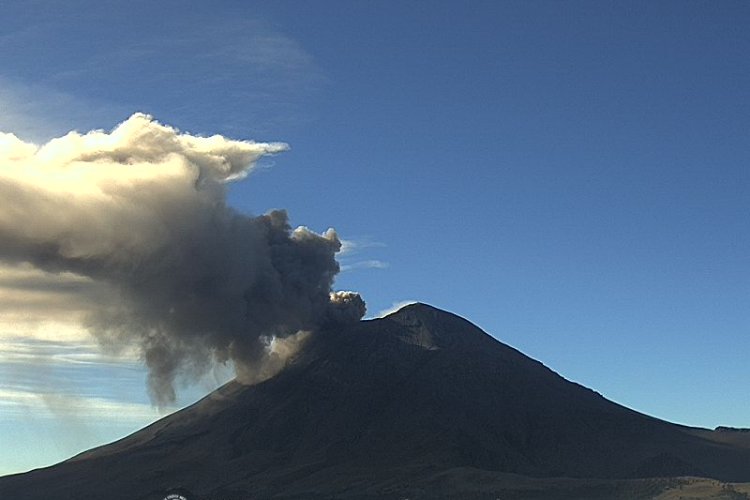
(351, 259)
(273, 77)
(393, 308)
(250, 80)
(31, 350)
(37, 373)
(70, 421)
(54, 405)
(62, 366)
(37, 112)
(353, 246)
(364, 264)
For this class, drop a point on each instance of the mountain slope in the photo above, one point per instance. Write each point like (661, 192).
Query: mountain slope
(381, 407)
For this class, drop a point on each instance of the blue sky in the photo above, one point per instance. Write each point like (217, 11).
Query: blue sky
(571, 176)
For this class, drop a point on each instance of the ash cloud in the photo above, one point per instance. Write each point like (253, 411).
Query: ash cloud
(142, 211)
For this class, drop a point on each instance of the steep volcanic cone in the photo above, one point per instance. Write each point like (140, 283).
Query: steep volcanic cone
(389, 408)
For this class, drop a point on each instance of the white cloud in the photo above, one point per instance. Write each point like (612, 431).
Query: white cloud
(350, 249)
(61, 351)
(364, 264)
(393, 308)
(354, 246)
(57, 405)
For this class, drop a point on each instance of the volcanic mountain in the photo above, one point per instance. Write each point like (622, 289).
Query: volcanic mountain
(418, 404)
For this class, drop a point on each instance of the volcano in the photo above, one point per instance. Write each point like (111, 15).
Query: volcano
(419, 404)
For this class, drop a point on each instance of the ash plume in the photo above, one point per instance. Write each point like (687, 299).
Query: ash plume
(142, 210)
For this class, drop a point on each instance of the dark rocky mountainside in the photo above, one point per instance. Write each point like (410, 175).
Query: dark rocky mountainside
(416, 404)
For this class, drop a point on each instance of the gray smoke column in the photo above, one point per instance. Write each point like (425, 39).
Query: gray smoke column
(142, 210)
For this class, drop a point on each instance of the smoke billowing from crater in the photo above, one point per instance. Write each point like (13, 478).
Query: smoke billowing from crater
(142, 210)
